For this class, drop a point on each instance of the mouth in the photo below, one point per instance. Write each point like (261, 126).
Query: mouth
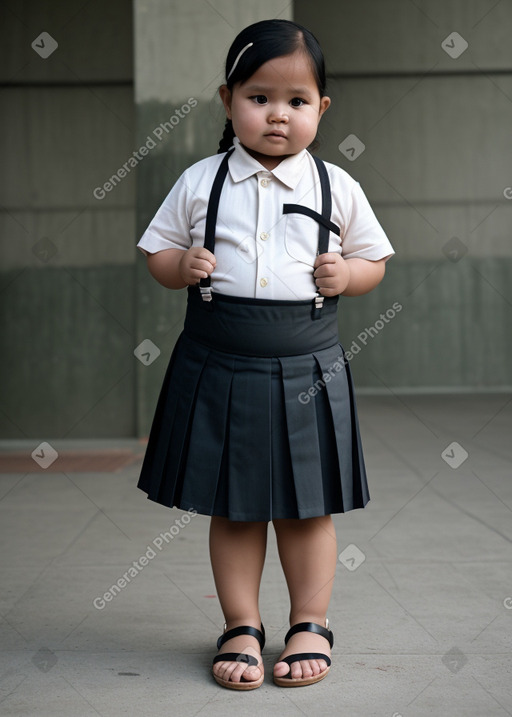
(276, 133)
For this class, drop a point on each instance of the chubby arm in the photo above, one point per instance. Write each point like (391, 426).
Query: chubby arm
(349, 277)
(177, 268)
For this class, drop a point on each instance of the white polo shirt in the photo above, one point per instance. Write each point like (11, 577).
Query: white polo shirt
(261, 252)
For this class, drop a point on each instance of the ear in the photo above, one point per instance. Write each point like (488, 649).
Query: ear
(225, 95)
(324, 104)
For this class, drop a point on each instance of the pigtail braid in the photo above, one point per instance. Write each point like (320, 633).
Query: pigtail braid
(227, 137)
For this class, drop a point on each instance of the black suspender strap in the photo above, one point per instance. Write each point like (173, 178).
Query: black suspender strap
(330, 226)
(324, 222)
(211, 221)
(323, 230)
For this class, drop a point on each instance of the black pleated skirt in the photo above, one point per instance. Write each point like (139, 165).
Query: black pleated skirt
(256, 418)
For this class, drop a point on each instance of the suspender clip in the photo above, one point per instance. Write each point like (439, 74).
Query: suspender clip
(318, 302)
(206, 293)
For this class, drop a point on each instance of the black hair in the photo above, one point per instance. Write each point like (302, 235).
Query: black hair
(271, 39)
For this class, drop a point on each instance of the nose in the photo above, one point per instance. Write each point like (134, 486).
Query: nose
(278, 113)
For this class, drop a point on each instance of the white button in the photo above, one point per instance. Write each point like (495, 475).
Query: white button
(265, 182)
(264, 236)
(263, 282)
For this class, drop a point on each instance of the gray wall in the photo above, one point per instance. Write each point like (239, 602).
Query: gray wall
(436, 164)
(67, 268)
(76, 297)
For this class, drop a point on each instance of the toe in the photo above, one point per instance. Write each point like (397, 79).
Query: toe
(316, 666)
(252, 674)
(306, 669)
(281, 669)
(322, 666)
(296, 670)
(236, 672)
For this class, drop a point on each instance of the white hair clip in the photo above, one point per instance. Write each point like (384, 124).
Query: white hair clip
(235, 63)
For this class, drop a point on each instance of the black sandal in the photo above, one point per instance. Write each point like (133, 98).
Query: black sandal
(240, 657)
(288, 680)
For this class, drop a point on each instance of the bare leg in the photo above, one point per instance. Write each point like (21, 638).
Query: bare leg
(308, 553)
(237, 553)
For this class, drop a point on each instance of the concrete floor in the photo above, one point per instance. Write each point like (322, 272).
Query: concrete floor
(423, 625)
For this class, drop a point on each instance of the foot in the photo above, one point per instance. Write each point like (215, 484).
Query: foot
(303, 642)
(234, 671)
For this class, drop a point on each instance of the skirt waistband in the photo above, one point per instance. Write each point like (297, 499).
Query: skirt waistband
(262, 328)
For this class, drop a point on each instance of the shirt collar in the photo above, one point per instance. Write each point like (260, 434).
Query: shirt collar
(289, 171)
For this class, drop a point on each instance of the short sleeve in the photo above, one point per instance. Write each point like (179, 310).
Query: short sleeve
(170, 227)
(364, 237)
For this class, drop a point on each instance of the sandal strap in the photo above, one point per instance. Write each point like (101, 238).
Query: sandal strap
(305, 656)
(243, 630)
(310, 627)
(236, 657)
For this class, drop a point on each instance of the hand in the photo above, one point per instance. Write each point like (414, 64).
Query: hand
(195, 264)
(332, 274)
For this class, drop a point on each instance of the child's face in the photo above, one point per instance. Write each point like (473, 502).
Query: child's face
(276, 112)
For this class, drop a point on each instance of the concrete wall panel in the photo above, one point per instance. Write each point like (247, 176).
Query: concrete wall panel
(436, 168)
(67, 274)
(181, 47)
(440, 139)
(404, 36)
(59, 144)
(94, 42)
